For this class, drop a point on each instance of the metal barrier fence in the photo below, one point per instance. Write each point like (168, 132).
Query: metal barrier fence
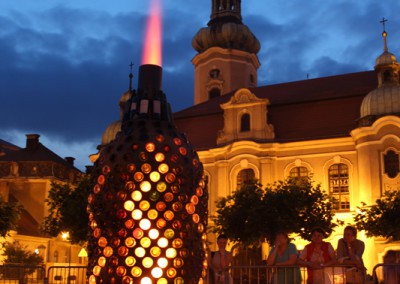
(386, 273)
(22, 274)
(261, 274)
(66, 275)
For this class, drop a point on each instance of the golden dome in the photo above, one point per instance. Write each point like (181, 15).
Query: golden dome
(386, 58)
(228, 35)
(111, 132)
(383, 100)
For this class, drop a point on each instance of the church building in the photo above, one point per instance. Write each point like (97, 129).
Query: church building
(342, 130)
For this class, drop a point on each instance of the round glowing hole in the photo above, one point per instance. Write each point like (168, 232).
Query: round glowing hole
(108, 251)
(160, 138)
(196, 218)
(168, 196)
(171, 253)
(138, 233)
(130, 242)
(177, 243)
(161, 223)
(171, 272)
(156, 272)
(162, 281)
(163, 168)
(129, 205)
(152, 214)
(96, 270)
(155, 251)
(169, 233)
(130, 261)
(146, 168)
(155, 176)
(102, 242)
(150, 147)
(138, 176)
(183, 151)
(121, 271)
(145, 242)
(159, 157)
(160, 206)
(194, 199)
(137, 214)
(136, 195)
(102, 261)
(140, 252)
(162, 262)
(129, 223)
(144, 205)
(145, 186)
(101, 179)
(178, 262)
(177, 141)
(147, 262)
(170, 178)
(190, 208)
(136, 271)
(129, 186)
(145, 224)
(153, 234)
(161, 186)
(131, 168)
(169, 215)
(154, 195)
(162, 242)
(146, 280)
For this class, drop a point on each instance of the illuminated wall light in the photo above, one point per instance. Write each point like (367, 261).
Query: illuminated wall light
(140, 252)
(159, 157)
(163, 168)
(155, 176)
(170, 253)
(155, 251)
(150, 147)
(152, 214)
(129, 205)
(145, 242)
(130, 261)
(136, 271)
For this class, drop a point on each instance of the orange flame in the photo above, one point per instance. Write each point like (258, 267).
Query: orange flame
(153, 39)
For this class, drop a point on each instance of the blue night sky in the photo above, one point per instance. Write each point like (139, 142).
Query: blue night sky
(64, 64)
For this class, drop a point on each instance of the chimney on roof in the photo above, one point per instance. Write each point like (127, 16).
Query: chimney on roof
(70, 160)
(32, 141)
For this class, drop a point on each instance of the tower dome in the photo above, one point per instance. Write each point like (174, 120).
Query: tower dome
(385, 99)
(225, 29)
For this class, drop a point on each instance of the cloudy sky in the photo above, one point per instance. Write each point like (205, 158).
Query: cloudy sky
(64, 64)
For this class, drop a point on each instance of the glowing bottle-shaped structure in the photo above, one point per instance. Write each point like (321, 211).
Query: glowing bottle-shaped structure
(148, 206)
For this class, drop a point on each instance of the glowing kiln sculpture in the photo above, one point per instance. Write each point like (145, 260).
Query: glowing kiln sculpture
(148, 206)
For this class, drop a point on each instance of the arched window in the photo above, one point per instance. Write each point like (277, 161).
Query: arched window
(339, 186)
(214, 73)
(214, 93)
(391, 163)
(245, 122)
(298, 172)
(244, 176)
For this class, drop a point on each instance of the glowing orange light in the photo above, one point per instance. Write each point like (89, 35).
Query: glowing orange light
(152, 42)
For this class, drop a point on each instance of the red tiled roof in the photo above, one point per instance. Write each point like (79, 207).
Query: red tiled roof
(310, 109)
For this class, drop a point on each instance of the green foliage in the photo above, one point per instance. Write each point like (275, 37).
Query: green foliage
(381, 219)
(10, 214)
(294, 205)
(67, 210)
(15, 253)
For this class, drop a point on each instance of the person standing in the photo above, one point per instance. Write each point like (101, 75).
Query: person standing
(221, 261)
(316, 255)
(284, 253)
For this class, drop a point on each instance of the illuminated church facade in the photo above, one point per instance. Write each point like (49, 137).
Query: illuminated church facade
(342, 130)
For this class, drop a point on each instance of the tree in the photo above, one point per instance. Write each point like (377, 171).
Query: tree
(67, 210)
(294, 205)
(381, 219)
(15, 253)
(10, 213)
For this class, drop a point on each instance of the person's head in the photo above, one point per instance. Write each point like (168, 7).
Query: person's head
(222, 241)
(350, 233)
(317, 235)
(281, 237)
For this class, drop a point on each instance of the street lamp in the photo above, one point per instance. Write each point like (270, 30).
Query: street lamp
(65, 237)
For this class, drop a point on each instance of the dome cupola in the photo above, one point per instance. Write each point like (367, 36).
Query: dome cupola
(385, 99)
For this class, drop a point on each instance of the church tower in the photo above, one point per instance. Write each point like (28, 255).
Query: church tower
(227, 53)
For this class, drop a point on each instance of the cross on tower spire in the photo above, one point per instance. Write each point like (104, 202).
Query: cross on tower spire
(383, 22)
